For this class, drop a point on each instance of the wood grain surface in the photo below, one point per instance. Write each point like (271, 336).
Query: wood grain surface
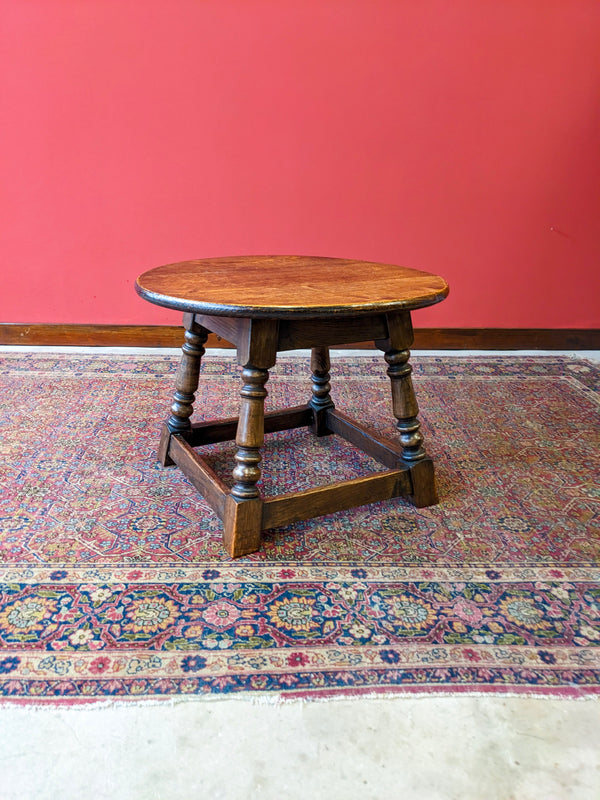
(288, 286)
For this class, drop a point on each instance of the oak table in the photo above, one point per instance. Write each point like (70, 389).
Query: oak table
(267, 304)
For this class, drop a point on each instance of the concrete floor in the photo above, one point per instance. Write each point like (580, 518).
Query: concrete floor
(432, 748)
(447, 748)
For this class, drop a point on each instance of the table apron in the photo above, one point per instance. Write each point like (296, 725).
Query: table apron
(296, 334)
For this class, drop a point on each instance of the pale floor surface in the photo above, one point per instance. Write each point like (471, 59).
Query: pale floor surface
(447, 748)
(433, 748)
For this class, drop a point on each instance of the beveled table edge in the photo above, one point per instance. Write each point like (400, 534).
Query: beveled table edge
(291, 312)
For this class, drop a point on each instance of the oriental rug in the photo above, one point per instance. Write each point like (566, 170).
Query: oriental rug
(114, 583)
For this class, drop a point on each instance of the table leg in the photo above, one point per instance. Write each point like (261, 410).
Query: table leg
(406, 409)
(321, 399)
(186, 384)
(250, 432)
(243, 508)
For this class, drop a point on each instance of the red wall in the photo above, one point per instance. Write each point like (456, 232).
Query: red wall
(460, 137)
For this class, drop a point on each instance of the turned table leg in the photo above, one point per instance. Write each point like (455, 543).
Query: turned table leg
(243, 509)
(186, 384)
(250, 433)
(406, 409)
(321, 399)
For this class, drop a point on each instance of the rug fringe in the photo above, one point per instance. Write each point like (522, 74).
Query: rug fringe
(282, 699)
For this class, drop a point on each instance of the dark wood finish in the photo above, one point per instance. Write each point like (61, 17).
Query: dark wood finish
(297, 334)
(186, 382)
(73, 335)
(163, 447)
(388, 453)
(321, 399)
(286, 287)
(400, 334)
(507, 339)
(288, 508)
(228, 331)
(250, 433)
(242, 525)
(200, 475)
(256, 302)
(225, 430)
(424, 488)
(258, 346)
(404, 402)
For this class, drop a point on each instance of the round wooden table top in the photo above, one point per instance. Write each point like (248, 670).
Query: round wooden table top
(288, 286)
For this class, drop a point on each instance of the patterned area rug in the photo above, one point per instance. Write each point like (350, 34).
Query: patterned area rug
(114, 582)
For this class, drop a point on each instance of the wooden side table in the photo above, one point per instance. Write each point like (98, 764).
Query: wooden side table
(268, 304)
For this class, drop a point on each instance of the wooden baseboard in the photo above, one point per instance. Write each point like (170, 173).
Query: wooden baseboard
(425, 338)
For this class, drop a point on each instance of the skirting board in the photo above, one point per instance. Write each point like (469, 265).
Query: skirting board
(425, 338)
